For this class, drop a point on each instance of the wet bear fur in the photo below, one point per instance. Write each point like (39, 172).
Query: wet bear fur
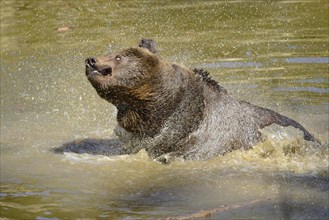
(170, 110)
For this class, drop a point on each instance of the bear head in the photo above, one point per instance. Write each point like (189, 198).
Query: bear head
(124, 77)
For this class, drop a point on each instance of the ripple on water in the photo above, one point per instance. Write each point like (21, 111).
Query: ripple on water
(319, 60)
(301, 89)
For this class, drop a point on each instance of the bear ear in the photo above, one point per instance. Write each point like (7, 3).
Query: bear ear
(149, 44)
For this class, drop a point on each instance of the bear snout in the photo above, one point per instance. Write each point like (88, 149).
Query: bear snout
(94, 66)
(91, 63)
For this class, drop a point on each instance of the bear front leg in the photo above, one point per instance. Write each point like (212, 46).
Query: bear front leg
(107, 147)
(168, 157)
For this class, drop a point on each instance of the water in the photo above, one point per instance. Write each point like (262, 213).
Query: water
(271, 53)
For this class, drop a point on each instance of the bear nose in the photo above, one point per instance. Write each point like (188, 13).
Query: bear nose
(91, 62)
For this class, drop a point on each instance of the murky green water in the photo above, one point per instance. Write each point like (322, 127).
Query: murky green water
(271, 53)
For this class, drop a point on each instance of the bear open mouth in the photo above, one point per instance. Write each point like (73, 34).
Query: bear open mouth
(106, 71)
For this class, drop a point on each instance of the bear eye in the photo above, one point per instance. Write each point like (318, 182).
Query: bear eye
(118, 57)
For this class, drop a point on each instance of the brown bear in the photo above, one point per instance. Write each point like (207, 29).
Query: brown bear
(170, 110)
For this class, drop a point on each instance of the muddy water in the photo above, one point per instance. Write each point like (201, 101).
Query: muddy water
(271, 53)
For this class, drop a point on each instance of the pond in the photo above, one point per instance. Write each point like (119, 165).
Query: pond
(271, 53)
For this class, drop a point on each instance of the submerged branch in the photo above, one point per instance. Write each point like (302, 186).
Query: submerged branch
(207, 213)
